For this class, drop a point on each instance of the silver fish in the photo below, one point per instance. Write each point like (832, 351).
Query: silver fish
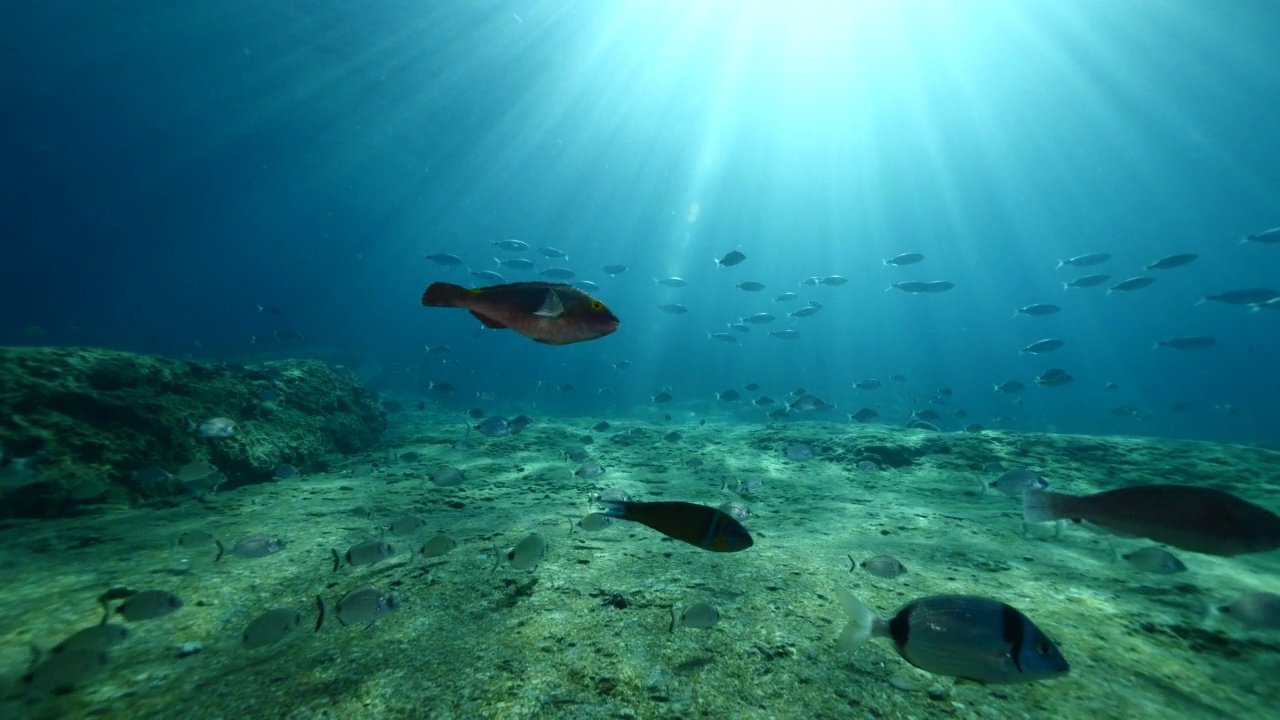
(269, 628)
(148, 605)
(527, 553)
(365, 606)
(1155, 560)
(369, 552)
(258, 546)
(702, 616)
(437, 546)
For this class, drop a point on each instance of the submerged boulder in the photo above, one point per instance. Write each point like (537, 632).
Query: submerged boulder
(83, 425)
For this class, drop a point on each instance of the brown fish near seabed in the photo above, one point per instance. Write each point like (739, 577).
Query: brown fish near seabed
(1198, 519)
(550, 313)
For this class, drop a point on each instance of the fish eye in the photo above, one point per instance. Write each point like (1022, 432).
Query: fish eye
(597, 305)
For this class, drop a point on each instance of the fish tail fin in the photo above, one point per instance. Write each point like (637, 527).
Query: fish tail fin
(1040, 506)
(1066, 285)
(337, 559)
(320, 607)
(221, 550)
(1201, 301)
(861, 625)
(442, 294)
(615, 509)
(1061, 264)
(1158, 344)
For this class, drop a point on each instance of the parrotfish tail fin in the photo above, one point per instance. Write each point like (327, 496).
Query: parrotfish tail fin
(614, 509)
(443, 294)
(1038, 506)
(861, 622)
(320, 608)
(220, 550)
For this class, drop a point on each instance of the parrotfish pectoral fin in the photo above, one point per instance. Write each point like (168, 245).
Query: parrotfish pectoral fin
(488, 321)
(861, 621)
(551, 307)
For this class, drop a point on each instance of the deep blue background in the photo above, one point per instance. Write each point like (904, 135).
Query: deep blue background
(165, 167)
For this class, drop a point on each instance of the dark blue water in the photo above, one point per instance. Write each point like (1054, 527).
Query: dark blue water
(165, 168)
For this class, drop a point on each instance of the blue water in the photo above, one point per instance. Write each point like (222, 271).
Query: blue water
(167, 167)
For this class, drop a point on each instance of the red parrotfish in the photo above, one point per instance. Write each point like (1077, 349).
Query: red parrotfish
(549, 313)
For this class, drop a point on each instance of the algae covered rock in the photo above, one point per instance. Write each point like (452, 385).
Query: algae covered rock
(87, 425)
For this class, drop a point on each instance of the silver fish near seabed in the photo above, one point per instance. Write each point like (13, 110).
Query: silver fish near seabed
(437, 546)
(881, 566)
(368, 552)
(60, 674)
(1255, 611)
(702, 616)
(148, 605)
(258, 546)
(1155, 560)
(965, 637)
(526, 554)
(269, 628)
(363, 606)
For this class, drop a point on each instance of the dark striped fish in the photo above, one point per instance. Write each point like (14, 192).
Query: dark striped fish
(699, 525)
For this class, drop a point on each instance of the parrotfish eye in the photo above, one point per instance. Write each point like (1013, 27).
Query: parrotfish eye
(597, 305)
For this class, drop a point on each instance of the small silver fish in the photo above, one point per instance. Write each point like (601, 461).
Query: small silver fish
(148, 605)
(198, 539)
(592, 522)
(1255, 611)
(60, 674)
(882, 566)
(269, 628)
(407, 525)
(368, 552)
(447, 477)
(365, 606)
(258, 546)
(1155, 559)
(437, 546)
(218, 427)
(96, 638)
(527, 553)
(1016, 482)
(702, 616)
(590, 470)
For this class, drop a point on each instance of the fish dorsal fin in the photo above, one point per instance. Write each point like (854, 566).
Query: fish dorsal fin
(488, 321)
(552, 307)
